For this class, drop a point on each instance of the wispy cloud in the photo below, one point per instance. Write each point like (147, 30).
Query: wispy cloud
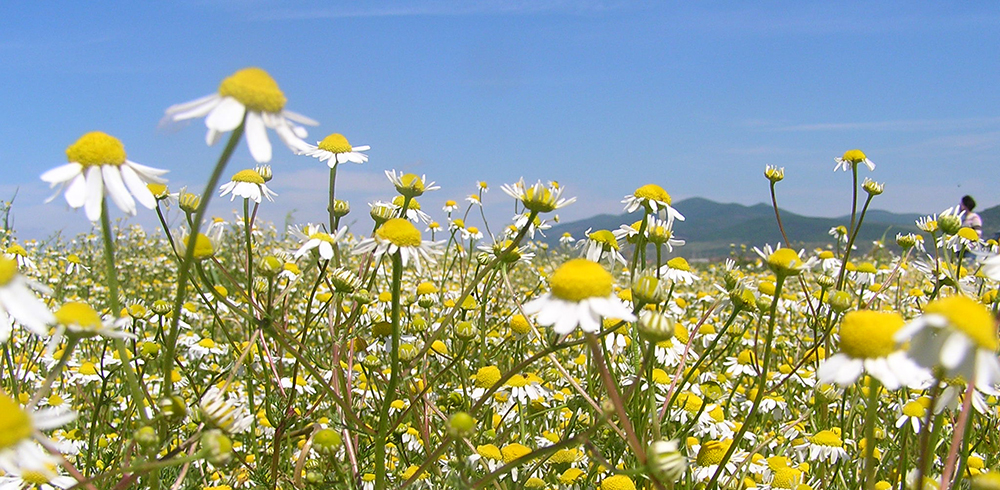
(895, 125)
(442, 8)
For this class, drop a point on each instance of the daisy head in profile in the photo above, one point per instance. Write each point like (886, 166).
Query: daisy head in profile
(334, 150)
(398, 235)
(97, 167)
(867, 344)
(538, 198)
(252, 98)
(581, 293)
(248, 184)
(851, 159)
(653, 199)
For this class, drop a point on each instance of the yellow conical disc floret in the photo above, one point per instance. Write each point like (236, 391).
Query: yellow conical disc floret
(968, 316)
(255, 89)
(203, 247)
(8, 270)
(78, 314)
(827, 438)
(854, 156)
(249, 175)
(604, 237)
(679, 263)
(487, 376)
(580, 279)
(95, 149)
(399, 232)
(617, 482)
(335, 143)
(784, 261)
(15, 425)
(652, 192)
(712, 452)
(867, 334)
(412, 182)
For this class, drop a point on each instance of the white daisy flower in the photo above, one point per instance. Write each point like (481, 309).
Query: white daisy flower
(678, 270)
(251, 97)
(958, 335)
(18, 303)
(599, 243)
(398, 235)
(655, 200)
(410, 185)
(98, 166)
(224, 412)
(247, 184)
(581, 293)
(991, 267)
(334, 150)
(538, 198)
(867, 345)
(315, 238)
(913, 412)
(19, 254)
(826, 445)
(18, 430)
(851, 159)
(82, 321)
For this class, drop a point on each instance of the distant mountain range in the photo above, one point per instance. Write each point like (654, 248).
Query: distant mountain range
(711, 229)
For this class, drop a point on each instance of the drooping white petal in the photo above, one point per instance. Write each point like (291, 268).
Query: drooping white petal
(76, 192)
(62, 173)
(95, 193)
(226, 116)
(138, 187)
(116, 189)
(179, 112)
(954, 350)
(256, 134)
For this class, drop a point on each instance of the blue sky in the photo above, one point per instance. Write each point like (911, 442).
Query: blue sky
(602, 96)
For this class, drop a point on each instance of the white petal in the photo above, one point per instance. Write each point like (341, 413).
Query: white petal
(62, 173)
(299, 118)
(177, 110)
(954, 350)
(116, 189)
(149, 174)
(138, 187)
(95, 193)
(76, 192)
(256, 133)
(226, 116)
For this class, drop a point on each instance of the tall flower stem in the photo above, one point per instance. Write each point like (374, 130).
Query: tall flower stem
(870, 418)
(333, 184)
(183, 275)
(761, 382)
(854, 235)
(390, 390)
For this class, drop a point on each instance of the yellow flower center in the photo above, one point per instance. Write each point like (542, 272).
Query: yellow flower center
(207, 343)
(398, 200)
(867, 334)
(426, 287)
(78, 314)
(203, 247)
(16, 249)
(412, 182)
(325, 237)
(513, 451)
(8, 270)
(95, 149)
(711, 452)
(786, 478)
(827, 438)
(517, 381)
(255, 89)
(399, 232)
(679, 263)
(519, 324)
(34, 477)
(652, 192)
(916, 408)
(87, 368)
(538, 198)
(15, 425)
(867, 267)
(489, 451)
(604, 237)
(158, 190)
(854, 156)
(660, 376)
(249, 175)
(617, 482)
(487, 376)
(968, 234)
(335, 143)
(580, 279)
(571, 476)
(784, 261)
(968, 316)
(745, 357)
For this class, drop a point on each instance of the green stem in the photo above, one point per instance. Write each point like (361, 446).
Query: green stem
(390, 391)
(870, 419)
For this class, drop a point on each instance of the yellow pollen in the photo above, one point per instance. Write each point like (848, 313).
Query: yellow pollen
(652, 192)
(827, 438)
(400, 232)
(579, 279)
(513, 451)
(255, 89)
(679, 263)
(968, 316)
(8, 270)
(867, 334)
(711, 452)
(335, 143)
(854, 156)
(249, 175)
(487, 376)
(95, 149)
(15, 425)
(78, 314)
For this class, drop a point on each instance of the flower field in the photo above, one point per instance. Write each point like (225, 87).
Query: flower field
(414, 350)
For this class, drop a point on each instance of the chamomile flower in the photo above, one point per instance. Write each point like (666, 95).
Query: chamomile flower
(18, 430)
(538, 197)
(224, 412)
(334, 150)
(313, 237)
(581, 293)
(655, 200)
(958, 335)
(991, 267)
(600, 243)
(826, 445)
(80, 320)
(785, 261)
(678, 270)
(867, 345)
(247, 184)
(398, 235)
(19, 303)
(851, 159)
(410, 185)
(19, 254)
(97, 167)
(250, 97)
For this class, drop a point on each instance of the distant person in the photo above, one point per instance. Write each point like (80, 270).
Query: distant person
(970, 219)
